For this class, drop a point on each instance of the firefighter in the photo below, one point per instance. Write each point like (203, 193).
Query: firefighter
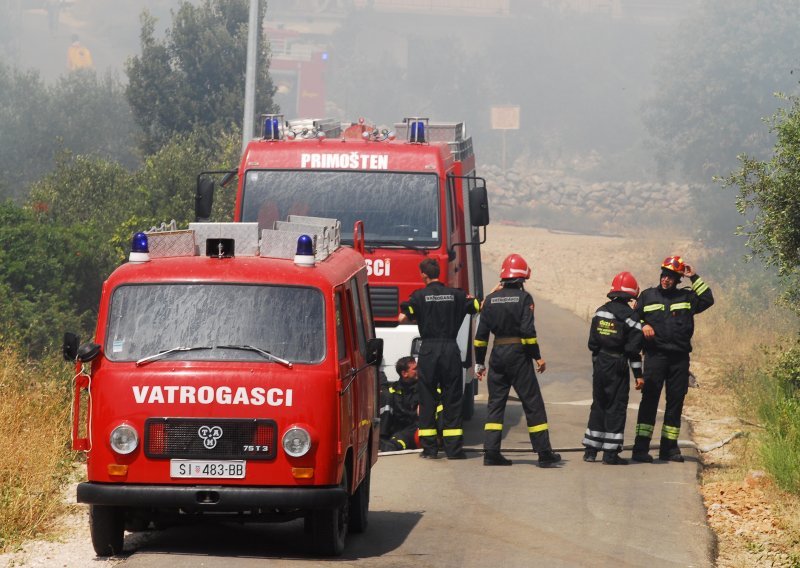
(508, 314)
(667, 315)
(615, 340)
(399, 407)
(439, 311)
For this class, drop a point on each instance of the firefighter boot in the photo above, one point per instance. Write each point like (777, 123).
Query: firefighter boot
(493, 457)
(669, 451)
(641, 445)
(548, 458)
(612, 458)
(590, 455)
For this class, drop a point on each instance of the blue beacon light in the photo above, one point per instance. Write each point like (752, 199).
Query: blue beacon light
(418, 131)
(140, 251)
(305, 251)
(272, 129)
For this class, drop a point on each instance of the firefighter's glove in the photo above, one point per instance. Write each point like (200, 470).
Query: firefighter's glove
(480, 371)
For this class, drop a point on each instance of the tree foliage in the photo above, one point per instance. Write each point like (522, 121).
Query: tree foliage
(193, 78)
(769, 198)
(717, 83)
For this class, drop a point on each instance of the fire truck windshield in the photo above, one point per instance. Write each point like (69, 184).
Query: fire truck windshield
(398, 209)
(146, 320)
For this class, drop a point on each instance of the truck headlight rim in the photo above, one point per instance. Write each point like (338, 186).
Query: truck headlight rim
(124, 439)
(296, 441)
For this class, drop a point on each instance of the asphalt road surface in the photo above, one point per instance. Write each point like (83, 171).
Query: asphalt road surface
(460, 513)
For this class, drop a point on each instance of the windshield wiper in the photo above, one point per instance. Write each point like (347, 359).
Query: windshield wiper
(266, 354)
(161, 354)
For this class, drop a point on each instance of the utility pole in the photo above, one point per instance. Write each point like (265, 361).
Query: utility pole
(253, 28)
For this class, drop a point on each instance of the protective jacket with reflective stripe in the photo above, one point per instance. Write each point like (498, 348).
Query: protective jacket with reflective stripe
(615, 329)
(507, 313)
(671, 314)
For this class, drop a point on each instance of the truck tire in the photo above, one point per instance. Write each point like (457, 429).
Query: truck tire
(329, 526)
(359, 506)
(107, 527)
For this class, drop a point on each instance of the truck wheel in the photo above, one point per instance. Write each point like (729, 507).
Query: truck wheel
(329, 526)
(107, 527)
(359, 506)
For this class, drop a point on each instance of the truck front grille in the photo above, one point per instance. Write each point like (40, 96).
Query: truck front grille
(212, 438)
(385, 301)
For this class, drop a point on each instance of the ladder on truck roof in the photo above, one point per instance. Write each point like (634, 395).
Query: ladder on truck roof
(454, 133)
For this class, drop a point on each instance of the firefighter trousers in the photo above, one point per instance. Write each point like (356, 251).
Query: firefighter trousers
(439, 366)
(610, 390)
(669, 370)
(510, 367)
(405, 439)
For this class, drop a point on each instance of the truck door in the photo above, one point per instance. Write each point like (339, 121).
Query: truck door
(362, 401)
(344, 348)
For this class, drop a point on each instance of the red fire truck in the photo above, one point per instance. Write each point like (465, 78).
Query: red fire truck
(232, 377)
(414, 188)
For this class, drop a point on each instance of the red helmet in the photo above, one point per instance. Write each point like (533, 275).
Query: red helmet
(624, 283)
(514, 266)
(674, 264)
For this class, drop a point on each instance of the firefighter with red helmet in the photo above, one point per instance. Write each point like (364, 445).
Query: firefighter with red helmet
(439, 312)
(615, 340)
(508, 314)
(667, 316)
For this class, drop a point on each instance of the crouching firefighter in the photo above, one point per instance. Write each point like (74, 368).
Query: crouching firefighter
(399, 408)
(508, 313)
(667, 315)
(615, 340)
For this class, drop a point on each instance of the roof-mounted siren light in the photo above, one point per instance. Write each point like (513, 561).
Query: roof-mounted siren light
(140, 250)
(305, 251)
(417, 130)
(272, 126)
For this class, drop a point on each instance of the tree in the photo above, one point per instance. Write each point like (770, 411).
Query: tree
(717, 83)
(194, 77)
(769, 197)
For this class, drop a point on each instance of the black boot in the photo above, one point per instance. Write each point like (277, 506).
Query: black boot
(641, 447)
(493, 457)
(672, 455)
(612, 458)
(548, 458)
(590, 455)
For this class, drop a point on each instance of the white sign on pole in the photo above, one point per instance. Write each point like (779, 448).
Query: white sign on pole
(505, 117)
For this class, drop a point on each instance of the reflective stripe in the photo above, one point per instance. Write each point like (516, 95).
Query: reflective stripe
(633, 323)
(698, 284)
(612, 446)
(395, 391)
(645, 430)
(401, 442)
(653, 308)
(479, 343)
(425, 433)
(604, 435)
(604, 314)
(537, 428)
(452, 432)
(701, 289)
(670, 432)
(410, 310)
(681, 306)
(636, 364)
(440, 408)
(493, 426)
(477, 304)
(592, 443)
(529, 341)
(386, 408)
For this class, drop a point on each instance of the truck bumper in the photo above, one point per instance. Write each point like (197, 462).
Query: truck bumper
(211, 498)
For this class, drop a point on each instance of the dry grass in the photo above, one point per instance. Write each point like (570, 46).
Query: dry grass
(34, 454)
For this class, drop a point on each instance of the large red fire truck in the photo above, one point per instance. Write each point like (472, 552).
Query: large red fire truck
(414, 188)
(231, 377)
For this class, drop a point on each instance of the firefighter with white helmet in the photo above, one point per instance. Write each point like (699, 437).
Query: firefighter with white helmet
(508, 314)
(615, 340)
(667, 315)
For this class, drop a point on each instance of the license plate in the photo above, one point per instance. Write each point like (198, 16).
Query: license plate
(199, 469)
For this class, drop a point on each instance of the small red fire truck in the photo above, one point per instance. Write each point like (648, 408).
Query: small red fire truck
(414, 188)
(230, 376)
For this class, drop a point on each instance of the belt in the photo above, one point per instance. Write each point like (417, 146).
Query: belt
(614, 354)
(507, 340)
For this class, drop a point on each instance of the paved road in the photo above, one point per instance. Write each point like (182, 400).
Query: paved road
(453, 514)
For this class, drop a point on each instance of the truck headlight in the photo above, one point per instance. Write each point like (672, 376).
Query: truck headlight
(296, 441)
(124, 439)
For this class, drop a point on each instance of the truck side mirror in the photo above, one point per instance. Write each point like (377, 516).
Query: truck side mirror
(70, 347)
(479, 206)
(204, 199)
(87, 352)
(374, 351)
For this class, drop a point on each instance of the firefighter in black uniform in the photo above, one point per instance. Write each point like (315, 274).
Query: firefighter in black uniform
(508, 314)
(399, 408)
(439, 311)
(615, 340)
(667, 315)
